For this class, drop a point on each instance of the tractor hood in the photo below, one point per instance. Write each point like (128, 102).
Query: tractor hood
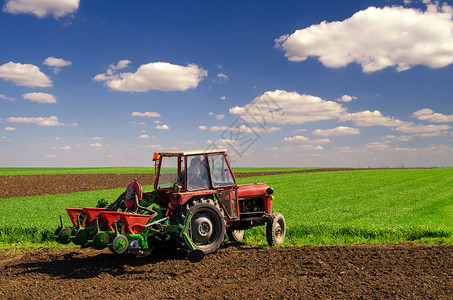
(252, 190)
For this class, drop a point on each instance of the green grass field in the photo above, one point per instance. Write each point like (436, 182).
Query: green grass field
(325, 208)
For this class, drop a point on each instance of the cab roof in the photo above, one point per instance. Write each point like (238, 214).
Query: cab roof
(193, 152)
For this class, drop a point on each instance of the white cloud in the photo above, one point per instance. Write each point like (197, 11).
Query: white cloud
(152, 147)
(40, 97)
(49, 121)
(162, 127)
(220, 116)
(377, 146)
(42, 8)
(96, 138)
(153, 76)
(340, 130)
(6, 98)
(222, 98)
(10, 129)
(430, 115)
(147, 114)
(96, 145)
(221, 142)
(422, 128)
(237, 110)
(403, 138)
(51, 155)
(65, 148)
(24, 75)
(284, 107)
(56, 63)
(202, 127)
(377, 38)
(347, 98)
(303, 139)
(297, 138)
(222, 77)
(244, 129)
(368, 118)
(122, 64)
(310, 147)
(143, 136)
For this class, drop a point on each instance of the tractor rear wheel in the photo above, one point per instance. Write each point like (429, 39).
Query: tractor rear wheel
(206, 229)
(275, 229)
(235, 235)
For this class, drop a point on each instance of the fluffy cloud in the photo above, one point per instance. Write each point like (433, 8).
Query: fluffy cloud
(422, 128)
(368, 118)
(430, 115)
(153, 76)
(24, 75)
(10, 129)
(42, 8)
(143, 136)
(284, 107)
(237, 110)
(346, 98)
(56, 63)
(377, 38)
(148, 114)
(222, 77)
(340, 130)
(49, 121)
(40, 97)
(3, 97)
(303, 139)
(202, 127)
(242, 129)
(162, 127)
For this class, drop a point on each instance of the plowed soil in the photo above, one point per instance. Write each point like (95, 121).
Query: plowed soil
(34, 185)
(236, 271)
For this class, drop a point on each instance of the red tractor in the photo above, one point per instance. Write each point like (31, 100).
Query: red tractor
(201, 182)
(196, 202)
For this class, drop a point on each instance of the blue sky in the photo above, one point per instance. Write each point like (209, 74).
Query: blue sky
(278, 83)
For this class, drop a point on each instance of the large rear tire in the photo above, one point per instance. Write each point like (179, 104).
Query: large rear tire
(206, 229)
(275, 229)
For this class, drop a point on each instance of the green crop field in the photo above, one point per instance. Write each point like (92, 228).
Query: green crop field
(324, 208)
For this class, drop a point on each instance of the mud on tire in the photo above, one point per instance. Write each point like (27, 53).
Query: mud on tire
(275, 229)
(206, 227)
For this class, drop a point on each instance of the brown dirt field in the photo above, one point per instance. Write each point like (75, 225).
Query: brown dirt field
(34, 185)
(234, 272)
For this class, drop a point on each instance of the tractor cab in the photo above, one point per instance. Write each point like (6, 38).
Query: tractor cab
(182, 174)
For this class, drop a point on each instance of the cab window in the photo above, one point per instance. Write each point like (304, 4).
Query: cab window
(221, 174)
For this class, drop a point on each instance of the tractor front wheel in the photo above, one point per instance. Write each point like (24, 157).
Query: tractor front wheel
(206, 227)
(235, 235)
(275, 229)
